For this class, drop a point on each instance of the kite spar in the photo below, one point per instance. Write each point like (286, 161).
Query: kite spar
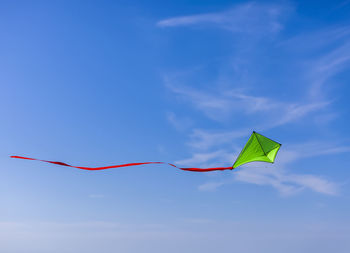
(257, 148)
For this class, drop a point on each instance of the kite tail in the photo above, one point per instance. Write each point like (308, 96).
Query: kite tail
(125, 165)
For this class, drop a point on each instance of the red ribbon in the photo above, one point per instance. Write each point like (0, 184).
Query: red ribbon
(125, 165)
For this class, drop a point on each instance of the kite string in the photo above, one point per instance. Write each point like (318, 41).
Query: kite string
(126, 165)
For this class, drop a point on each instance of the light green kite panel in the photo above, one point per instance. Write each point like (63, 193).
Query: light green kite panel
(258, 148)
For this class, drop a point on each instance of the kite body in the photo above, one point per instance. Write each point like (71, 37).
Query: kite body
(258, 148)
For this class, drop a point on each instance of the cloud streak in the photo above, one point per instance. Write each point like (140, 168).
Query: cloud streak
(208, 159)
(285, 183)
(327, 67)
(221, 105)
(251, 18)
(180, 124)
(202, 139)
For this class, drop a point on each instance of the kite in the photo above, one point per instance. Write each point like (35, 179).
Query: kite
(257, 148)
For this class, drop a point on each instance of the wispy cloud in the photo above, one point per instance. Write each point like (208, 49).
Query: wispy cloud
(202, 139)
(292, 112)
(208, 159)
(210, 186)
(284, 182)
(319, 67)
(213, 106)
(177, 122)
(311, 41)
(327, 66)
(253, 18)
(223, 104)
(323, 54)
(318, 148)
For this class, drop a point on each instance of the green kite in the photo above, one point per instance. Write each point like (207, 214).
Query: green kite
(258, 148)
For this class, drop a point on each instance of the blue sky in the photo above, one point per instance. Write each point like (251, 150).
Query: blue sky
(96, 83)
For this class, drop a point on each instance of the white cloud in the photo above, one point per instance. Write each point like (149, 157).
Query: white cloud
(215, 107)
(179, 123)
(210, 186)
(208, 159)
(223, 104)
(327, 67)
(202, 139)
(317, 148)
(252, 18)
(324, 53)
(292, 112)
(314, 40)
(286, 183)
